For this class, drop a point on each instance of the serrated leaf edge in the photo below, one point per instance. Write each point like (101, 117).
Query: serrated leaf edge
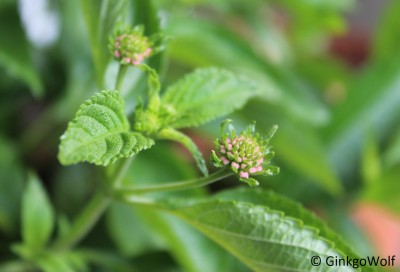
(299, 223)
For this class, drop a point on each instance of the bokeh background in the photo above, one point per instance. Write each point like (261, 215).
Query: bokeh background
(328, 73)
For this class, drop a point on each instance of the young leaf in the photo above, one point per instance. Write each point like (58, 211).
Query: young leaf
(265, 231)
(204, 95)
(37, 215)
(100, 133)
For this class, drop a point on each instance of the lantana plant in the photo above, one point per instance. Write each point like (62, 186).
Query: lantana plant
(261, 228)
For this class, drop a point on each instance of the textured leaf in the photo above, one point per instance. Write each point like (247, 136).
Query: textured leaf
(224, 48)
(265, 231)
(37, 215)
(204, 95)
(100, 133)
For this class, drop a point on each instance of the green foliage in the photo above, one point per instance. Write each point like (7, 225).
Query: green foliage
(166, 232)
(15, 55)
(262, 229)
(100, 133)
(387, 35)
(278, 61)
(225, 48)
(205, 95)
(37, 215)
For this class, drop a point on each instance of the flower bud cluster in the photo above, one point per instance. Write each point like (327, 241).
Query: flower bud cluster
(130, 46)
(247, 154)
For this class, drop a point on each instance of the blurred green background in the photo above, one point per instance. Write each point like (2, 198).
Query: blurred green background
(328, 73)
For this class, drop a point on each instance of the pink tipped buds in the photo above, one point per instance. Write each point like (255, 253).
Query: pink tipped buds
(130, 46)
(247, 154)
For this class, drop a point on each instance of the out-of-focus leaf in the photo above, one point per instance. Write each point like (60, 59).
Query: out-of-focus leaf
(371, 104)
(145, 14)
(11, 186)
(387, 32)
(371, 164)
(15, 54)
(62, 262)
(384, 191)
(310, 17)
(296, 144)
(37, 215)
(203, 44)
(100, 18)
(131, 236)
(391, 156)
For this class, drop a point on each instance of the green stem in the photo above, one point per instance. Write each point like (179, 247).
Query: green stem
(121, 171)
(175, 186)
(85, 221)
(154, 86)
(175, 135)
(120, 76)
(92, 212)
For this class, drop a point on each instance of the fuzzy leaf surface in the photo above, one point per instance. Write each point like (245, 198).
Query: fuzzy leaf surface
(100, 133)
(204, 95)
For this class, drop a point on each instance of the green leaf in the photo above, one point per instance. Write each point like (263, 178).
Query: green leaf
(387, 38)
(62, 262)
(391, 156)
(11, 187)
(37, 215)
(372, 103)
(100, 133)
(224, 48)
(14, 51)
(371, 163)
(205, 95)
(384, 191)
(100, 20)
(265, 231)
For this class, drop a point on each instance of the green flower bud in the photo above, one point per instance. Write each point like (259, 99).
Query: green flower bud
(247, 154)
(130, 46)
